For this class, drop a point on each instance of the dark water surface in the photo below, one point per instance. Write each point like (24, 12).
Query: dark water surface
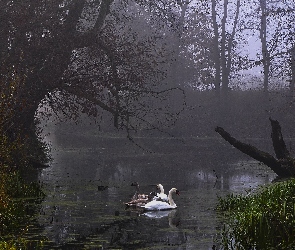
(89, 181)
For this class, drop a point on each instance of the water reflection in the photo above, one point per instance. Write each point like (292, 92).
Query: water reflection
(159, 214)
(173, 219)
(78, 212)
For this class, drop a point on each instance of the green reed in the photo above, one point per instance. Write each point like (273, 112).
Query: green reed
(264, 220)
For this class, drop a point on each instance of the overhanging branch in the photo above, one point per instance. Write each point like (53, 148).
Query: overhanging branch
(82, 95)
(283, 167)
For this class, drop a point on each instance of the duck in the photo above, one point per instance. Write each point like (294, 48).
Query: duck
(161, 196)
(139, 200)
(155, 205)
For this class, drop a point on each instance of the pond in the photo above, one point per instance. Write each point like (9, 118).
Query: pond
(90, 179)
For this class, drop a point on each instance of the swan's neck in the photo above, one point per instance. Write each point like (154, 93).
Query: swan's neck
(171, 201)
(161, 189)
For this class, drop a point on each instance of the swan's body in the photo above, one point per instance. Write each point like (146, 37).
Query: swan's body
(161, 196)
(161, 205)
(158, 205)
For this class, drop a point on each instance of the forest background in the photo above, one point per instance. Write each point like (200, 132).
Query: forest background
(174, 67)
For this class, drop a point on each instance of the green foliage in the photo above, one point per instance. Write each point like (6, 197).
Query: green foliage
(265, 220)
(16, 200)
(18, 204)
(21, 244)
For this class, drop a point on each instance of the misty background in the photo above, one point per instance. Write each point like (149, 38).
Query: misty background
(132, 90)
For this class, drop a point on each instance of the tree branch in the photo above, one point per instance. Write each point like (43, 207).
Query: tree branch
(81, 94)
(278, 141)
(281, 168)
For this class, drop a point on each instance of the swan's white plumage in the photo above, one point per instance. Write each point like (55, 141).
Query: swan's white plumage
(158, 205)
(161, 196)
(161, 205)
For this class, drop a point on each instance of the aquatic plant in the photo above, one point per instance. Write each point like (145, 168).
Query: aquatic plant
(18, 204)
(21, 243)
(264, 220)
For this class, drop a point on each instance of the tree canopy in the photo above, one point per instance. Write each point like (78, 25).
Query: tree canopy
(83, 56)
(123, 57)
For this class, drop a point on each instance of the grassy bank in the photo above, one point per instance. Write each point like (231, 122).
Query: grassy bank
(264, 220)
(18, 204)
(18, 199)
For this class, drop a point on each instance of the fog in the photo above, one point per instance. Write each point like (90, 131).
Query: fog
(124, 91)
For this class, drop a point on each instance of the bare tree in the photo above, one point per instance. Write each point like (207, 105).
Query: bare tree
(264, 47)
(276, 37)
(292, 69)
(223, 43)
(283, 165)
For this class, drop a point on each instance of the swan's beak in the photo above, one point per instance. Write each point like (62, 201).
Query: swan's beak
(177, 192)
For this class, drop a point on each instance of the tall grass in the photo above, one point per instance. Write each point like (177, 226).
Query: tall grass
(265, 220)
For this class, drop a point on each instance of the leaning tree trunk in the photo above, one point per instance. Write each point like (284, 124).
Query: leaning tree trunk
(44, 63)
(283, 165)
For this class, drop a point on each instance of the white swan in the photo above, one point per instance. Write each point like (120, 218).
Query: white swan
(161, 196)
(161, 205)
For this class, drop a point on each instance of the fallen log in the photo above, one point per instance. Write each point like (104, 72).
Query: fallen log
(283, 165)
